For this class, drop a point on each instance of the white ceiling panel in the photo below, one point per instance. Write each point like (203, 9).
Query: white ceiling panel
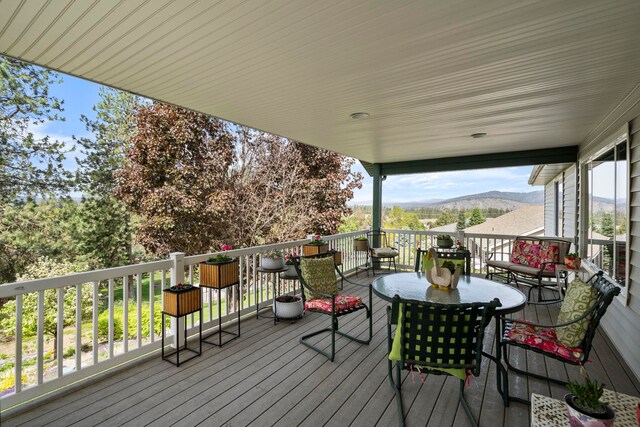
(531, 74)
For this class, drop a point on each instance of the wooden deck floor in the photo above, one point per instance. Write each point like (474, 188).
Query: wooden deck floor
(267, 378)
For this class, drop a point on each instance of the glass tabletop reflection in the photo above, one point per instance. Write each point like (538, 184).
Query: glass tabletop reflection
(470, 289)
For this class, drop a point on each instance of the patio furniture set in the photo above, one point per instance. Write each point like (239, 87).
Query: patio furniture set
(440, 330)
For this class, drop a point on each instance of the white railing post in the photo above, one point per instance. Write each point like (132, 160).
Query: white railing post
(177, 276)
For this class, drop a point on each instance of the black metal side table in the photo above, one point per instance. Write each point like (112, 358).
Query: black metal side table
(275, 276)
(180, 303)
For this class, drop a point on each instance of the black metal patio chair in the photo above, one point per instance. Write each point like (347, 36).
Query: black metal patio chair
(436, 339)
(543, 338)
(318, 282)
(380, 250)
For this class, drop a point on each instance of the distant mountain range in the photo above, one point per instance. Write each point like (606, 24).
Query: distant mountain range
(489, 199)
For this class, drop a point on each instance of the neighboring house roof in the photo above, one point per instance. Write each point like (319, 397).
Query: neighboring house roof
(524, 221)
(449, 228)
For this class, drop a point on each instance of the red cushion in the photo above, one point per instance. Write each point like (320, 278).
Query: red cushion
(526, 254)
(343, 302)
(551, 255)
(542, 338)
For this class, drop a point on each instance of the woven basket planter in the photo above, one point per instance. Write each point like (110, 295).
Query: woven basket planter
(180, 302)
(360, 245)
(219, 275)
(314, 249)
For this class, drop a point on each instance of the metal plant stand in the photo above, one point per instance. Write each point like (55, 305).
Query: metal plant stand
(180, 304)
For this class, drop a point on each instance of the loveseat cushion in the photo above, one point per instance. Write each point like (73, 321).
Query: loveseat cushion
(579, 298)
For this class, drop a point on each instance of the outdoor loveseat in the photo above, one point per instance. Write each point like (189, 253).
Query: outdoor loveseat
(531, 262)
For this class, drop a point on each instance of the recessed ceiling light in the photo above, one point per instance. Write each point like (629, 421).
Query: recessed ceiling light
(359, 116)
(478, 135)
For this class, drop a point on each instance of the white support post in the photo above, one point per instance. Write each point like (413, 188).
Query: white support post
(177, 276)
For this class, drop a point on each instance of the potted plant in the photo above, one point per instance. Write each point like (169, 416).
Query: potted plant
(584, 405)
(291, 269)
(315, 246)
(572, 260)
(460, 246)
(288, 306)
(220, 271)
(181, 299)
(444, 241)
(272, 260)
(361, 243)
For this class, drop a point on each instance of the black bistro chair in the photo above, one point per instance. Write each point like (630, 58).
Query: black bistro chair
(580, 316)
(427, 331)
(317, 275)
(381, 251)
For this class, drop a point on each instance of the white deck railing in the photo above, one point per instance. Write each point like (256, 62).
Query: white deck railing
(119, 299)
(124, 302)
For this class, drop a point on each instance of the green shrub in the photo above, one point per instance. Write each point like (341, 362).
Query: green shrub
(103, 322)
(69, 352)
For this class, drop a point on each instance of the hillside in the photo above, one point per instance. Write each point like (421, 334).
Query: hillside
(489, 199)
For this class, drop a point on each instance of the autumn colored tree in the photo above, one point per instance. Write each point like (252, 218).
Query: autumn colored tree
(329, 184)
(176, 178)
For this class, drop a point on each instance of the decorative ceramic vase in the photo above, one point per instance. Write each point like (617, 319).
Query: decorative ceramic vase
(578, 418)
(289, 309)
(271, 263)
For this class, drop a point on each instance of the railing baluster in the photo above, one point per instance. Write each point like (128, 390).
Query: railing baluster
(40, 329)
(18, 362)
(152, 298)
(125, 313)
(78, 327)
(111, 325)
(139, 308)
(94, 343)
(60, 332)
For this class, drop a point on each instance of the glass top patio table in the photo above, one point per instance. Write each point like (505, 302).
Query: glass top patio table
(470, 289)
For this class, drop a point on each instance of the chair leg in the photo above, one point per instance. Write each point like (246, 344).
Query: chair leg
(465, 406)
(333, 330)
(397, 384)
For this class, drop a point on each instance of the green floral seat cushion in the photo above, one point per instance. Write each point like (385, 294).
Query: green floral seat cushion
(396, 354)
(579, 298)
(320, 274)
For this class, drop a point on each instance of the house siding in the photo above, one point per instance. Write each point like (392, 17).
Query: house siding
(550, 209)
(622, 323)
(569, 203)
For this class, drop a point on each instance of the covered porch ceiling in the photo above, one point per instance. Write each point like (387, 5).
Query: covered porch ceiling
(533, 75)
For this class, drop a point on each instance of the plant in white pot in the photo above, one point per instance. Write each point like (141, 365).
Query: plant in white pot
(584, 405)
(291, 269)
(444, 241)
(288, 306)
(572, 260)
(272, 260)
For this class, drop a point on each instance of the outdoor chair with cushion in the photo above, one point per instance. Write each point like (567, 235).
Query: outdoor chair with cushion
(531, 262)
(570, 338)
(317, 275)
(439, 339)
(380, 250)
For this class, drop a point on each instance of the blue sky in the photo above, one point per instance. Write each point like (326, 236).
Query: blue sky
(80, 96)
